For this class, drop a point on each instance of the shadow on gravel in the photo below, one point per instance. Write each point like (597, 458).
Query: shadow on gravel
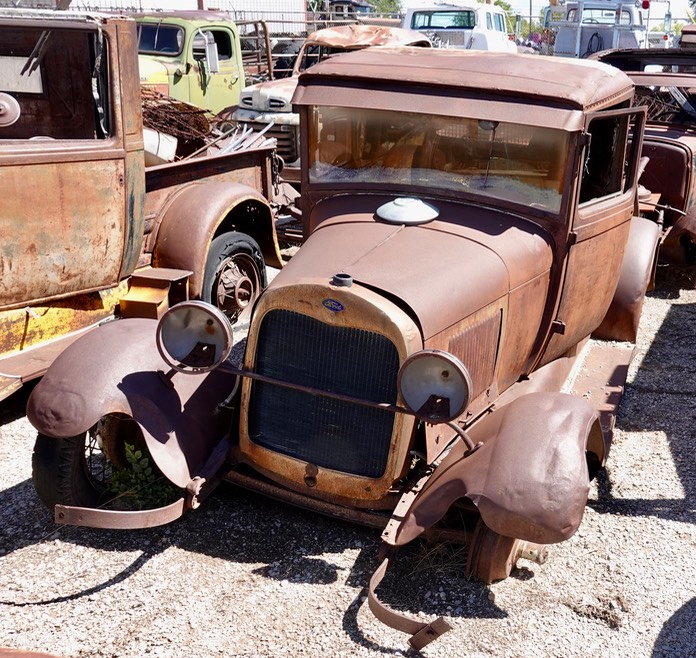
(14, 407)
(676, 637)
(662, 398)
(291, 544)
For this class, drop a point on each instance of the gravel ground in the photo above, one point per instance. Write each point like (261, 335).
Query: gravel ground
(244, 576)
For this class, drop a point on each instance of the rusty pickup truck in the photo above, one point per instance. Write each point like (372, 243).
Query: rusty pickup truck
(425, 363)
(87, 231)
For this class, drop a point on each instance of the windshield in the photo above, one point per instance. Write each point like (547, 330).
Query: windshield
(443, 20)
(522, 164)
(160, 39)
(603, 16)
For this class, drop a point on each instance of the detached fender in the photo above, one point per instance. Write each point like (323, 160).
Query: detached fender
(640, 258)
(529, 479)
(114, 369)
(201, 211)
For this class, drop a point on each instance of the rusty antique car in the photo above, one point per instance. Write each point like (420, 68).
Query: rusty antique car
(424, 363)
(665, 81)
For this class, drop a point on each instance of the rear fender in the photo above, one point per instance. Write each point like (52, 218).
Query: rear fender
(679, 245)
(529, 479)
(640, 259)
(115, 369)
(202, 211)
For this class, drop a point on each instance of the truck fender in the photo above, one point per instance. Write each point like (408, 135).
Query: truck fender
(115, 369)
(529, 479)
(201, 211)
(637, 271)
(679, 245)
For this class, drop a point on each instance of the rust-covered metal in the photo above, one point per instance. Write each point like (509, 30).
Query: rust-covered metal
(179, 422)
(82, 213)
(423, 363)
(665, 84)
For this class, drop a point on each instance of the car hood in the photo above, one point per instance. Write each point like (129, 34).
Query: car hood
(152, 71)
(443, 270)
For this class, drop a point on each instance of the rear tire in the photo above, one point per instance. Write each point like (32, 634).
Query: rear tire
(235, 275)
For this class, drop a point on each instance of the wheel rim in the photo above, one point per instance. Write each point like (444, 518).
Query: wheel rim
(236, 286)
(105, 448)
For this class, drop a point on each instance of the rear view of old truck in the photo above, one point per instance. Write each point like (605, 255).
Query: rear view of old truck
(81, 214)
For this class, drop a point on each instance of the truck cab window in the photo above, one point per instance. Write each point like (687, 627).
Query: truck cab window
(222, 40)
(53, 97)
(604, 171)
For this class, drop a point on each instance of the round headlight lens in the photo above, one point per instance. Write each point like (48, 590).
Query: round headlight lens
(435, 386)
(194, 337)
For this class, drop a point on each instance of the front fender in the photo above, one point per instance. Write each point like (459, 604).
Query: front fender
(201, 211)
(114, 369)
(529, 479)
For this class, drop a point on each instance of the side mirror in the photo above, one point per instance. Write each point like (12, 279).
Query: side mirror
(212, 60)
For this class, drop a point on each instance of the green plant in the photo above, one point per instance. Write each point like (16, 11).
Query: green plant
(141, 485)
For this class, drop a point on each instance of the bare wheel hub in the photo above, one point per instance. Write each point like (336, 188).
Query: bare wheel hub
(235, 290)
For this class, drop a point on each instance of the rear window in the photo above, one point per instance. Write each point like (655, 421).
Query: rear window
(443, 20)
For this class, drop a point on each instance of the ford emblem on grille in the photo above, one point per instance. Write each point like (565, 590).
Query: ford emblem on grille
(333, 305)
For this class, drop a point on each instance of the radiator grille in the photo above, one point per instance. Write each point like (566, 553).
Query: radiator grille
(330, 433)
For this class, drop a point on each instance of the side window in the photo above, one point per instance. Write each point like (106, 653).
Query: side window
(222, 40)
(499, 23)
(56, 88)
(605, 168)
(489, 22)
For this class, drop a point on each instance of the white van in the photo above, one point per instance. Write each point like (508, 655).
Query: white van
(475, 26)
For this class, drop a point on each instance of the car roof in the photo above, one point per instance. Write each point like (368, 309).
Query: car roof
(560, 82)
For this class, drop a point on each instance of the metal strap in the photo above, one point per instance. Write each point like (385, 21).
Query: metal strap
(117, 519)
(422, 633)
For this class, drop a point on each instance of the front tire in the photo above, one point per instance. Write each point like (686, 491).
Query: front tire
(235, 275)
(77, 470)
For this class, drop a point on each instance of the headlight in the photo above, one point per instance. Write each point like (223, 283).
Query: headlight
(194, 337)
(435, 386)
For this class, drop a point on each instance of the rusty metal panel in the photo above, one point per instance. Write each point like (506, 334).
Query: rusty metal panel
(24, 328)
(468, 275)
(363, 36)
(585, 298)
(62, 226)
(557, 82)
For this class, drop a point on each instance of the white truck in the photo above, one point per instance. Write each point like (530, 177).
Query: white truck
(580, 29)
(472, 25)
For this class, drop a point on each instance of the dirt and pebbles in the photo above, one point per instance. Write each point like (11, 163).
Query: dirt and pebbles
(245, 576)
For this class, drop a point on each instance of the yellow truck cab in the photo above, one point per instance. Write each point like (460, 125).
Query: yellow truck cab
(192, 56)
